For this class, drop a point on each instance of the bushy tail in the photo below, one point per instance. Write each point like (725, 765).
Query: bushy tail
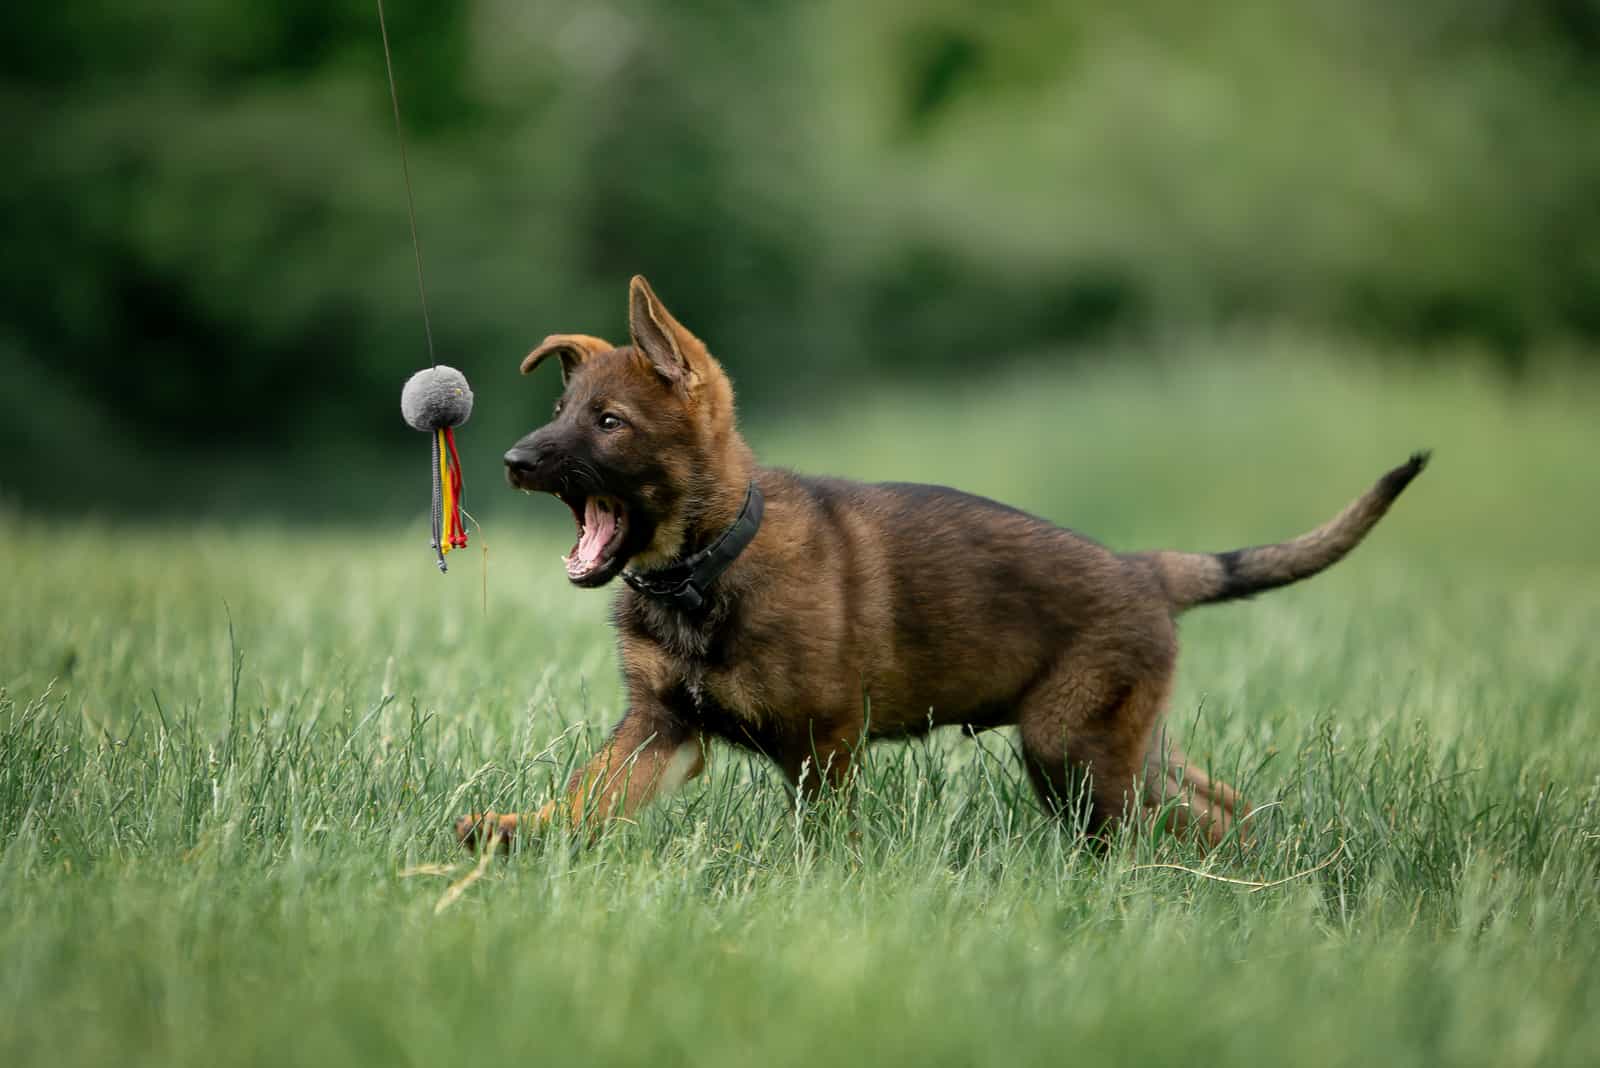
(1205, 578)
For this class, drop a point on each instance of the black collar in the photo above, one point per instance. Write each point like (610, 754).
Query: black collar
(684, 584)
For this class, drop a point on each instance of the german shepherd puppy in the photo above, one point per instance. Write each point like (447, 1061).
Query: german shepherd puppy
(800, 616)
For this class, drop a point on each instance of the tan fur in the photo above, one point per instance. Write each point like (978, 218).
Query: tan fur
(929, 606)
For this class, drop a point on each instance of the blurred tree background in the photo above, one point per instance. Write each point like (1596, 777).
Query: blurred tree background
(207, 285)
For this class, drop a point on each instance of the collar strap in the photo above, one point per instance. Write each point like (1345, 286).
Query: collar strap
(685, 584)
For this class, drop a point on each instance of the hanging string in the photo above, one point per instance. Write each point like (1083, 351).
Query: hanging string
(405, 170)
(448, 529)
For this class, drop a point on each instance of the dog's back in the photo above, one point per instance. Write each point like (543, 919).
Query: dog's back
(944, 605)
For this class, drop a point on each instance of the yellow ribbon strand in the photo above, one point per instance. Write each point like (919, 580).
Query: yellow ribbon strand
(447, 527)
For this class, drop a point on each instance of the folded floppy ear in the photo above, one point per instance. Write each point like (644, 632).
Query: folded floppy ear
(573, 349)
(677, 355)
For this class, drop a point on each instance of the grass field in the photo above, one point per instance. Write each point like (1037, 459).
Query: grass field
(227, 749)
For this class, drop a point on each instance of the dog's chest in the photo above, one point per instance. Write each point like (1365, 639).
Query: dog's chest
(685, 639)
(718, 688)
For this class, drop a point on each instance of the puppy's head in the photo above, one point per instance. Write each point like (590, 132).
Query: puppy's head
(642, 447)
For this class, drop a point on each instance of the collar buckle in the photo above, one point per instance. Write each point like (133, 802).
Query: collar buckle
(682, 594)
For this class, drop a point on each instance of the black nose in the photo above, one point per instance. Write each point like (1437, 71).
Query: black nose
(521, 459)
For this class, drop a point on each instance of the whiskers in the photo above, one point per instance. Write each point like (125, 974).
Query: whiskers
(579, 476)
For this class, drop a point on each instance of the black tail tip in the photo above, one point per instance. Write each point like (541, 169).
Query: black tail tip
(1398, 479)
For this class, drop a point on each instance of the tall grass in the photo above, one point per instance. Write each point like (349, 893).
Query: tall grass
(231, 757)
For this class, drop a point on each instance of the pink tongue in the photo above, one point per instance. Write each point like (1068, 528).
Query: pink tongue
(598, 526)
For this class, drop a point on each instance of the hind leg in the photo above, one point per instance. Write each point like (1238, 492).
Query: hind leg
(1195, 800)
(1087, 736)
(1083, 743)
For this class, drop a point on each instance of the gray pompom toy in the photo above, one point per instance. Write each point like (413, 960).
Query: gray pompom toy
(436, 400)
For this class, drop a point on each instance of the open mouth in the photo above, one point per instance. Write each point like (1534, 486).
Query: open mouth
(602, 526)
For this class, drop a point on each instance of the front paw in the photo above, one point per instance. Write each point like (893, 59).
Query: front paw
(478, 828)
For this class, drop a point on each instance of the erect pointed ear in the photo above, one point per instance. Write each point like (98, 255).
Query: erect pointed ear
(677, 355)
(572, 349)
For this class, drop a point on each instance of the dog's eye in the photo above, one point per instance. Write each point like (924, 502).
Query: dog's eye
(610, 422)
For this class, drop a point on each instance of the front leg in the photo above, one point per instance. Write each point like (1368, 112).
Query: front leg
(821, 753)
(649, 753)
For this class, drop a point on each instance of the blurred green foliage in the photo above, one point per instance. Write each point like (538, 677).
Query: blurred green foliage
(205, 245)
